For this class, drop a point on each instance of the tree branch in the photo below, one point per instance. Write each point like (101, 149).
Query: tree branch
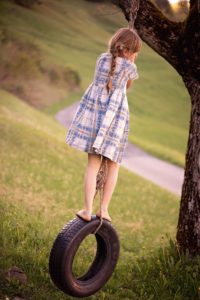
(189, 44)
(160, 33)
(176, 42)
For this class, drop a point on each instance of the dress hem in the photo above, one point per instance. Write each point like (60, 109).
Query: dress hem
(93, 152)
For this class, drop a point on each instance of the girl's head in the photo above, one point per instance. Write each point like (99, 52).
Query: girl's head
(124, 43)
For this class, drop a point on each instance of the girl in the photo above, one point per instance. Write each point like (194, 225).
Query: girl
(101, 123)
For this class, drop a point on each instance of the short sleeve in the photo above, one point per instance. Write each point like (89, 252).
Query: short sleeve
(100, 57)
(133, 73)
(98, 62)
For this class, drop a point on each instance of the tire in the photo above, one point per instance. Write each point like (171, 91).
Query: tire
(65, 247)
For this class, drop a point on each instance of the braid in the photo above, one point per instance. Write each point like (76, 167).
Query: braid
(114, 52)
(124, 39)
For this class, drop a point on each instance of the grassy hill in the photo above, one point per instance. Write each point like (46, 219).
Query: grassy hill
(60, 35)
(44, 53)
(42, 188)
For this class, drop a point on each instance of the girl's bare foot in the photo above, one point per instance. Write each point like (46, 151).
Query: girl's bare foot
(83, 214)
(105, 215)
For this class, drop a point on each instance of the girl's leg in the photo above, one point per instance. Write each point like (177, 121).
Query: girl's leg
(112, 175)
(94, 163)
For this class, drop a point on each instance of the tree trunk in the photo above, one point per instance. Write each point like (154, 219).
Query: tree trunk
(188, 229)
(178, 43)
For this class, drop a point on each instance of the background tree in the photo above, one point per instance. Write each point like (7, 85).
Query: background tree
(178, 43)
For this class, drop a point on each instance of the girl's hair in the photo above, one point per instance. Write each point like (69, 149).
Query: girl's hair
(124, 38)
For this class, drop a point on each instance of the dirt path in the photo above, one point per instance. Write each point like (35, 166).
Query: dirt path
(164, 174)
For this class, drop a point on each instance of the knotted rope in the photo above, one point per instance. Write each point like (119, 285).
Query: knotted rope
(133, 9)
(103, 170)
(100, 182)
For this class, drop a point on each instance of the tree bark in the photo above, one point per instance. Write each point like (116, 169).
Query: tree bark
(178, 43)
(188, 228)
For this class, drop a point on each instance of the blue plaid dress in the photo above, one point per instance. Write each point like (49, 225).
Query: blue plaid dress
(101, 122)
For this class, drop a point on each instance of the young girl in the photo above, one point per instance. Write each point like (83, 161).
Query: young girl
(101, 123)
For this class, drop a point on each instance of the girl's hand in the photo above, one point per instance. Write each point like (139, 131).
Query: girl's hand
(129, 83)
(133, 56)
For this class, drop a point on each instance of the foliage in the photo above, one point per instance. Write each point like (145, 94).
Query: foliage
(71, 76)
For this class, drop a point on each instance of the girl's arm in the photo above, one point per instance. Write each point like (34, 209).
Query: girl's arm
(129, 83)
(132, 59)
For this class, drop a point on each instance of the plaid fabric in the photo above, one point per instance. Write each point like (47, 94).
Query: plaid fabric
(101, 122)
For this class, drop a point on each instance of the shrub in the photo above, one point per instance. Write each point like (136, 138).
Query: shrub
(71, 77)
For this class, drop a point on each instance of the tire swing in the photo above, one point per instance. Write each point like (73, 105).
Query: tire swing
(73, 233)
(69, 240)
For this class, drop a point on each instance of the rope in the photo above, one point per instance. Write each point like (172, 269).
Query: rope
(134, 7)
(103, 170)
(101, 180)
(102, 174)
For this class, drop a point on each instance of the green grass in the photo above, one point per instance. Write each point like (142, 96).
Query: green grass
(42, 188)
(74, 33)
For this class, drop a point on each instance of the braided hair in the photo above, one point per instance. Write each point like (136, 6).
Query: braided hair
(124, 38)
(114, 52)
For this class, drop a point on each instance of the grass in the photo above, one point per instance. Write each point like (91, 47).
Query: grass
(42, 188)
(73, 34)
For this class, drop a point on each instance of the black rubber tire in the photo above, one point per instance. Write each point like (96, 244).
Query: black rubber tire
(65, 247)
